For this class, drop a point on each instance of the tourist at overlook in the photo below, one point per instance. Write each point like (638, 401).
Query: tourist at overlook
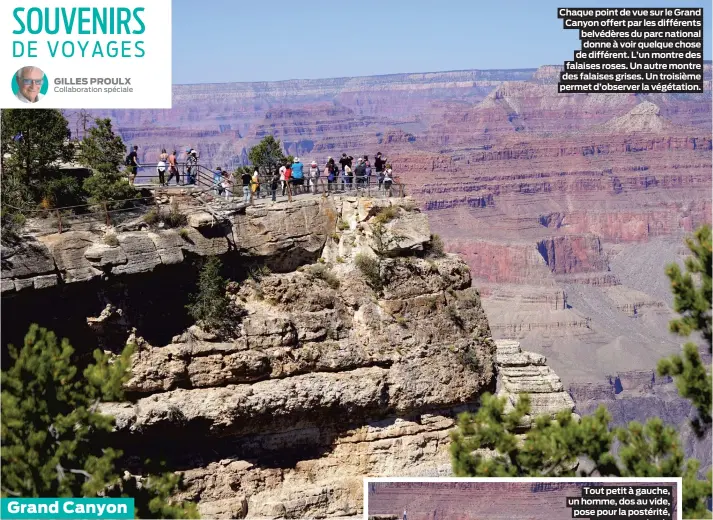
(246, 178)
(227, 184)
(330, 173)
(288, 178)
(161, 167)
(313, 176)
(367, 170)
(192, 165)
(283, 169)
(297, 174)
(217, 180)
(388, 179)
(360, 172)
(346, 161)
(274, 183)
(348, 176)
(379, 163)
(255, 185)
(173, 169)
(132, 161)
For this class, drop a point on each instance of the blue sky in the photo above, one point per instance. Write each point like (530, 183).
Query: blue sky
(218, 41)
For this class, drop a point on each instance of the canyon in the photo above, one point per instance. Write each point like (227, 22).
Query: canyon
(566, 207)
(559, 214)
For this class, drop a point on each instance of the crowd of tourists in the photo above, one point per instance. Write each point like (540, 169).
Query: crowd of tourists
(167, 163)
(344, 174)
(295, 178)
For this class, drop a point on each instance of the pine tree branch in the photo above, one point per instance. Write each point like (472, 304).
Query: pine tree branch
(81, 472)
(11, 493)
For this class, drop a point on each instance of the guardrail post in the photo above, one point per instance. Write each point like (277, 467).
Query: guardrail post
(59, 221)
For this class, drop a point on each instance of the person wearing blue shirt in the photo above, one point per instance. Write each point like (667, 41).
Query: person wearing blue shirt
(297, 174)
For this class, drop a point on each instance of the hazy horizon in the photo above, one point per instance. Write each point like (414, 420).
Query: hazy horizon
(319, 40)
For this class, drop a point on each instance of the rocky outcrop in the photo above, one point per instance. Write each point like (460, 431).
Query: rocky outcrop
(351, 375)
(572, 254)
(282, 236)
(526, 373)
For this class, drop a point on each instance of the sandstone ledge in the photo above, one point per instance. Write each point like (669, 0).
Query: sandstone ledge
(273, 233)
(526, 373)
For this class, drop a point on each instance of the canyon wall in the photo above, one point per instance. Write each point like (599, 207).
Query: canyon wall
(566, 207)
(325, 377)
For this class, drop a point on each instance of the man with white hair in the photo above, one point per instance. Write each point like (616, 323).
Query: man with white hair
(29, 81)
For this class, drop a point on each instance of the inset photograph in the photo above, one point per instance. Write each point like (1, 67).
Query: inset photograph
(522, 499)
(29, 84)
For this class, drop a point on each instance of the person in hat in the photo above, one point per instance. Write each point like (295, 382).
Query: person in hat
(191, 163)
(379, 163)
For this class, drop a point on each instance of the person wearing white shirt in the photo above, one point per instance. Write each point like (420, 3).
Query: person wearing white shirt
(29, 81)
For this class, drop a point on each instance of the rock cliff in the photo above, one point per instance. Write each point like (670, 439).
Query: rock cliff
(333, 372)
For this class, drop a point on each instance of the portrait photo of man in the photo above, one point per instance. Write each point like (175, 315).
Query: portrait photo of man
(30, 82)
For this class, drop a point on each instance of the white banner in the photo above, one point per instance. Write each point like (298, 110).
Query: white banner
(73, 54)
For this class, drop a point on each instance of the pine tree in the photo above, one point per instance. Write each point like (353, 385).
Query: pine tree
(267, 156)
(33, 144)
(101, 149)
(103, 152)
(486, 443)
(35, 141)
(55, 444)
(692, 300)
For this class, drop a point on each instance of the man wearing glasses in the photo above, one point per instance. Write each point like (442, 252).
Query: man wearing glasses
(29, 80)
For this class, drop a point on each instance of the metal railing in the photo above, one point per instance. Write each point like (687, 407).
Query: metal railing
(203, 182)
(203, 177)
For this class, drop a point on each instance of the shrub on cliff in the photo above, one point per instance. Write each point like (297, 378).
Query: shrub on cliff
(210, 306)
(385, 214)
(54, 443)
(552, 447)
(435, 247)
(371, 269)
(322, 272)
(103, 151)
